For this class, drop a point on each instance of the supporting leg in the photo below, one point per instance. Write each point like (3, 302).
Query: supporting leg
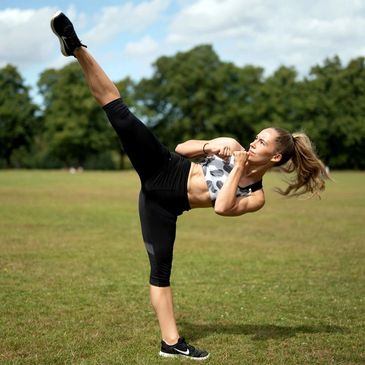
(162, 303)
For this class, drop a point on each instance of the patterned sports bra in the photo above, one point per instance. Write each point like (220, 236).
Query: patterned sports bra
(216, 171)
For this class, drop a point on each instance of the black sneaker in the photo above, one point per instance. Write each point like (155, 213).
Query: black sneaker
(182, 349)
(64, 30)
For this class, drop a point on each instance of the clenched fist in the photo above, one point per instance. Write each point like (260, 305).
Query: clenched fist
(240, 158)
(223, 148)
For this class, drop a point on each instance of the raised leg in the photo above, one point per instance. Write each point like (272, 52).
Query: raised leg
(101, 87)
(145, 152)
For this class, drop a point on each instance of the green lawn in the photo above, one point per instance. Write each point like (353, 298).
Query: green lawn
(285, 285)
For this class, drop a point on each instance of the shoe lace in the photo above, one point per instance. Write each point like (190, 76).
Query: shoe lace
(69, 31)
(72, 40)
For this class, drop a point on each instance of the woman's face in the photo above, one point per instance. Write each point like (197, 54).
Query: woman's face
(263, 149)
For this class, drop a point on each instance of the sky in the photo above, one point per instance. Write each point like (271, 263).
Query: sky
(126, 37)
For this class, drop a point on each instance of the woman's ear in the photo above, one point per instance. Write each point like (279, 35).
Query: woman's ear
(276, 158)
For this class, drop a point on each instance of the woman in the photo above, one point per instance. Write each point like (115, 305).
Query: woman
(229, 179)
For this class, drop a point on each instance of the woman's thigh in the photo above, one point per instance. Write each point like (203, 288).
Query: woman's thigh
(146, 153)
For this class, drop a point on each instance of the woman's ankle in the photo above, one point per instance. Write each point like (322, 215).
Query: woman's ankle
(171, 340)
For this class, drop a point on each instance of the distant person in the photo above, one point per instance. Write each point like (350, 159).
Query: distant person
(229, 179)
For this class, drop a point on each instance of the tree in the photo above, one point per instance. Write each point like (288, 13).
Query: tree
(179, 98)
(280, 101)
(17, 114)
(195, 95)
(241, 89)
(76, 129)
(336, 112)
(191, 95)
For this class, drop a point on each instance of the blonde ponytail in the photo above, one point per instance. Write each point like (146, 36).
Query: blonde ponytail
(309, 171)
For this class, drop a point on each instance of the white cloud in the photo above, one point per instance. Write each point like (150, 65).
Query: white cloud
(27, 39)
(268, 33)
(28, 42)
(211, 17)
(25, 35)
(261, 32)
(136, 59)
(127, 17)
(146, 46)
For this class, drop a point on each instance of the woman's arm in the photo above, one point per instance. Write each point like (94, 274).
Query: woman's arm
(227, 203)
(244, 204)
(221, 146)
(192, 148)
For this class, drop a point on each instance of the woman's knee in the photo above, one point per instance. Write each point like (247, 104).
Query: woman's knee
(160, 271)
(119, 115)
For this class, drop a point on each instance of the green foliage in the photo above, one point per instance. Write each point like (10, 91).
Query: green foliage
(195, 95)
(191, 95)
(76, 129)
(18, 123)
(336, 112)
(280, 100)
(180, 99)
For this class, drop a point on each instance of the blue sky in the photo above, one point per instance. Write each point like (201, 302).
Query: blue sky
(126, 37)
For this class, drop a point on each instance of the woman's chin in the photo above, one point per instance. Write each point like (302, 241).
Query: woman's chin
(251, 157)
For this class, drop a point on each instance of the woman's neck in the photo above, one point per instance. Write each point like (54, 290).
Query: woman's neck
(255, 172)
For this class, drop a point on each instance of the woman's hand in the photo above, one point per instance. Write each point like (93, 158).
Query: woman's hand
(240, 158)
(221, 148)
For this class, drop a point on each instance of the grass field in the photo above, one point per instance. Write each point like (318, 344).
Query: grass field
(285, 285)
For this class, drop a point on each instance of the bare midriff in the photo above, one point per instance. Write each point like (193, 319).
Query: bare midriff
(198, 193)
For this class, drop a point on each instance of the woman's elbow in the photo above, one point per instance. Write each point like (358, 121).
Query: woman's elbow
(229, 213)
(221, 209)
(179, 149)
(218, 211)
(226, 210)
(221, 212)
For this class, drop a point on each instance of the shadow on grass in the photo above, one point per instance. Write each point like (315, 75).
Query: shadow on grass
(262, 332)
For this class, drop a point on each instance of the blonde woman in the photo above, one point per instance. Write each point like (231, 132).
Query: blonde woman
(229, 179)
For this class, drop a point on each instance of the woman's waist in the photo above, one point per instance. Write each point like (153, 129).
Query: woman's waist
(198, 193)
(173, 176)
(168, 186)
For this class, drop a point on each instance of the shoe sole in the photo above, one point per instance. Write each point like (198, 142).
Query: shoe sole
(63, 49)
(164, 354)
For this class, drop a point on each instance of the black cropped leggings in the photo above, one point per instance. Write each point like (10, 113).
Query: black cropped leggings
(163, 196)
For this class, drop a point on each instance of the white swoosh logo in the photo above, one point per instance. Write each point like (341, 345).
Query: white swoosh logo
(187, 352)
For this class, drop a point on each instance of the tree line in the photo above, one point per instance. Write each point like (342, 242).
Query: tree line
(191, 95)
